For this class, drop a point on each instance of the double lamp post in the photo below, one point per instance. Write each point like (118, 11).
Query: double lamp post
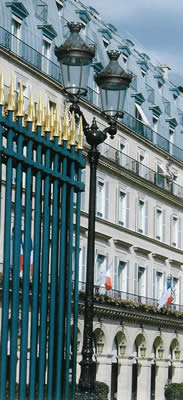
(75, 58)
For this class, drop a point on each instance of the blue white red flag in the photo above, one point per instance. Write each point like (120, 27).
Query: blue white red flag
(108, 283)
(22, 258)
(166, 297)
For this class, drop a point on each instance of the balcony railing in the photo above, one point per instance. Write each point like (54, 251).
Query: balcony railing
(138, 299)
(141, 170)
(40, 62)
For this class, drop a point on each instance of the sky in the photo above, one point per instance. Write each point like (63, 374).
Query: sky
(156, 26)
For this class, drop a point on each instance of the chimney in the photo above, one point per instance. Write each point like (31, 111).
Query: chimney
(166, 69)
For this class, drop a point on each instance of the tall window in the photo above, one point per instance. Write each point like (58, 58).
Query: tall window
(174, 231)
(16, 32)
(175, 288)
(140, 280)
(120, 277)
(123, 152)
(100, 269)
(123, 208)
(102, 198)
(159, 284)
(142, 159)
(160, 218)
(46, 48)
(142, 216)
(171, 139)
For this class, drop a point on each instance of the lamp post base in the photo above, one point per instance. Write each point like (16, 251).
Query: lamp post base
(87, 396)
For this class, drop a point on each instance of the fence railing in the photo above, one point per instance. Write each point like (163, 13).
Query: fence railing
(47, 66)
(120, 295)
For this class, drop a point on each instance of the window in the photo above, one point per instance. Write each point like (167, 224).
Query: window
(171, 139)
(143, 72)
(142, 159)
(100, 268)
(175, 289)
(82, 268)
(174, 231)
(140, 280)
(120, 277)
(155, 123)
(59, 4)
(125, 57)
(160, 177)
(159, 284)
(160, 224)
(176, 225)
(123, 208)
(102, 198)
(141, 216)
(46, 47)
(16, 32)
(140, 115)
(123, 152)
(105, 42)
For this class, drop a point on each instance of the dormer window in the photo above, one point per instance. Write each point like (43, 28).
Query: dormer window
(143, 72)
(105, 42)
(59, 5)
(160, 85)
(125, 58)
(167, 107)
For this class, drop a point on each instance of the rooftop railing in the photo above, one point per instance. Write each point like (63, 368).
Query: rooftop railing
(47, 66)
(120, 295)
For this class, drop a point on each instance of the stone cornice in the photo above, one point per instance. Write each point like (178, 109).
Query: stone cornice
(135, 317)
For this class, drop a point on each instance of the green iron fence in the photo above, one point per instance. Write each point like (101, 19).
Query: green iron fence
(40, 167)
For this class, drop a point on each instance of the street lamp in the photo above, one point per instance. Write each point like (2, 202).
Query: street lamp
(75, 58)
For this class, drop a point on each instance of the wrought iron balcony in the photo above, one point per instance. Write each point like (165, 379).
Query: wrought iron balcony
(47, 66)
(135, 298)
(137, 168)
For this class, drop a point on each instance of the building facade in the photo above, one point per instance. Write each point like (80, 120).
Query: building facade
(139, 226)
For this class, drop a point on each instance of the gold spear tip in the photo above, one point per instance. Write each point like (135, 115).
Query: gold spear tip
(1, 89)
(11, 96)
(80, 134)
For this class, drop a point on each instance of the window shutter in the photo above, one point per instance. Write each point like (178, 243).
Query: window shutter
(117, 205)
(146, 216)
(154, 284)
(127, 208)
(180, 233)
(127, 274)
(171, 230)
(164, 226)
(106, 199)
(135, 278)
(155, 223)
(180, 292)
(146, 280)
(83, 179)
(83, 266)
(116, 262)
(137, 214)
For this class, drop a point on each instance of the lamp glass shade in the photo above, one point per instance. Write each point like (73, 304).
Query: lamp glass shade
(112, 101)
(113, 83)
(75, 57)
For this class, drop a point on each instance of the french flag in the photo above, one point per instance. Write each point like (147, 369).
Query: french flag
(166, 297)
(31, 260)
(21, 258)
(108, 283)
(169, 294)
